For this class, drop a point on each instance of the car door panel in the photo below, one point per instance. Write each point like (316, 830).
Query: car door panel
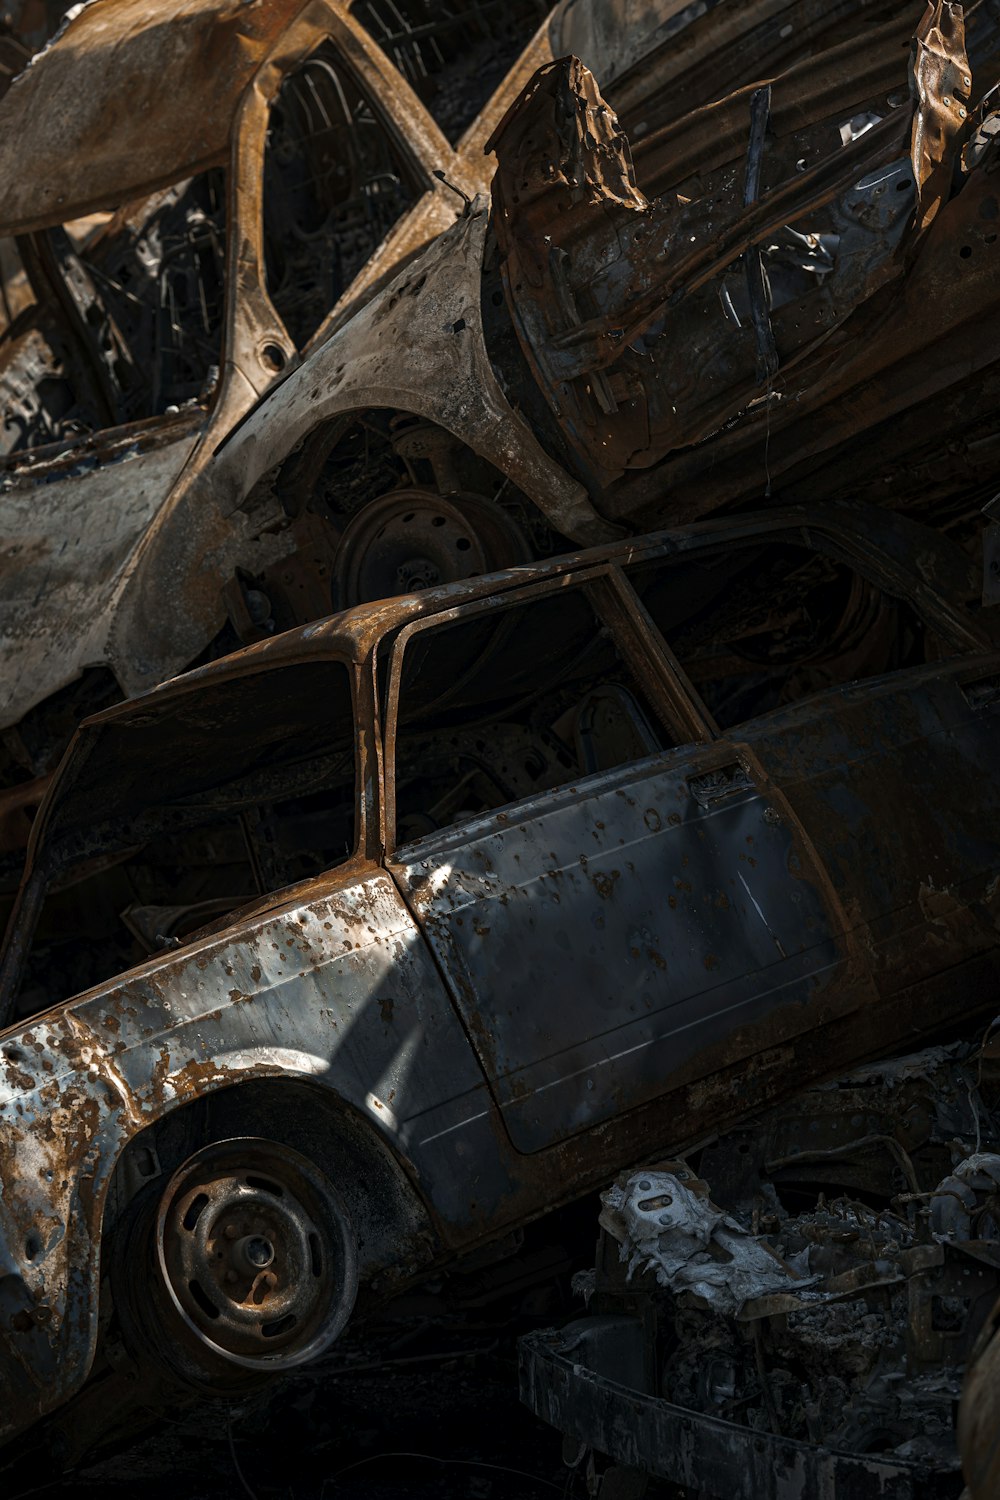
(611, 940)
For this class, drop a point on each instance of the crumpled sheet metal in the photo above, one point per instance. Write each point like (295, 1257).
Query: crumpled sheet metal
(127, 98)
(666, 1222)
(941, 85)
(624, 310)
(592, 161)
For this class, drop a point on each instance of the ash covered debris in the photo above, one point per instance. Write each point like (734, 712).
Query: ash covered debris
(817, 1334)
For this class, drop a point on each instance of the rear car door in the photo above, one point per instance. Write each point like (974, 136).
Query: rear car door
(617, 899)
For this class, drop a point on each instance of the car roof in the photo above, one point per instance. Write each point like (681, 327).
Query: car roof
(906, 557)
(130, 95)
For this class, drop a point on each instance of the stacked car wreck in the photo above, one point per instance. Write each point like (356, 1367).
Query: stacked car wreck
(488, 869)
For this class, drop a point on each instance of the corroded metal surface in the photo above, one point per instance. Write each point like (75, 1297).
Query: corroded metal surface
(632, 311)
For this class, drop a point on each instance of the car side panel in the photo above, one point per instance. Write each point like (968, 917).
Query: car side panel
(338, 989)
(610, 941)
(896, 783)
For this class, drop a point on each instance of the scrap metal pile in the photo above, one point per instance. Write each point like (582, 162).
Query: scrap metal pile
(814, 1330)
(380, 869)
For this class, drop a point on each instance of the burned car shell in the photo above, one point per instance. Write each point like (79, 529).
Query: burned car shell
(433, 349)
(80, 515)
(377, 984)
(427, 356)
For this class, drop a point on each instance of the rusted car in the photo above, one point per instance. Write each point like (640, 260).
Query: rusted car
(184, 210)
(398, 929)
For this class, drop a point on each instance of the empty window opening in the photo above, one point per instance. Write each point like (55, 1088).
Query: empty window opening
(508, 703)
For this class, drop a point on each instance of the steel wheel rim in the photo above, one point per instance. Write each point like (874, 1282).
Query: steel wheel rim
(255, 1254)
(412, 539)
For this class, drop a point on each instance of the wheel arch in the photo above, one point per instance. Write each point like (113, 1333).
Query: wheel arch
(392, 1221)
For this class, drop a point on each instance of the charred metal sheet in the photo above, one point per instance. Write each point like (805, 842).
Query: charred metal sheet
(649, 347)
(941, 82)
(183, 84)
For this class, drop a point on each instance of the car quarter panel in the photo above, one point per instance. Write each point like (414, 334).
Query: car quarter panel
(67, 541)
(340, 990)
(895, 781)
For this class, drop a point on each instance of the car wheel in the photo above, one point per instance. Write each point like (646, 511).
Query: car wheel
(246, 1267)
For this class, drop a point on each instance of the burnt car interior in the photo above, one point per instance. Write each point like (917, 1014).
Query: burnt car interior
(516, 699)
(453, 53)
(760, 627)
(510, 701)
(204, 817)
(126, 322)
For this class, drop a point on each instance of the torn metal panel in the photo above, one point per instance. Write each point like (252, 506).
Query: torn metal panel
(655, 356)
(941, 82)
(106, 501)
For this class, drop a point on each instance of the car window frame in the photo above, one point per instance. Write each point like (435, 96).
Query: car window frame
(423, 150)
(934, 612)
(42, 867)
(677, 706)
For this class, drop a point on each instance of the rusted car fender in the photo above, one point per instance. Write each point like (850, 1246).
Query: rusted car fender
(417, 347)
(340, 992)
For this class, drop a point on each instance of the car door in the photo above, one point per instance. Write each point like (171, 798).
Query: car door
(619, 902)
